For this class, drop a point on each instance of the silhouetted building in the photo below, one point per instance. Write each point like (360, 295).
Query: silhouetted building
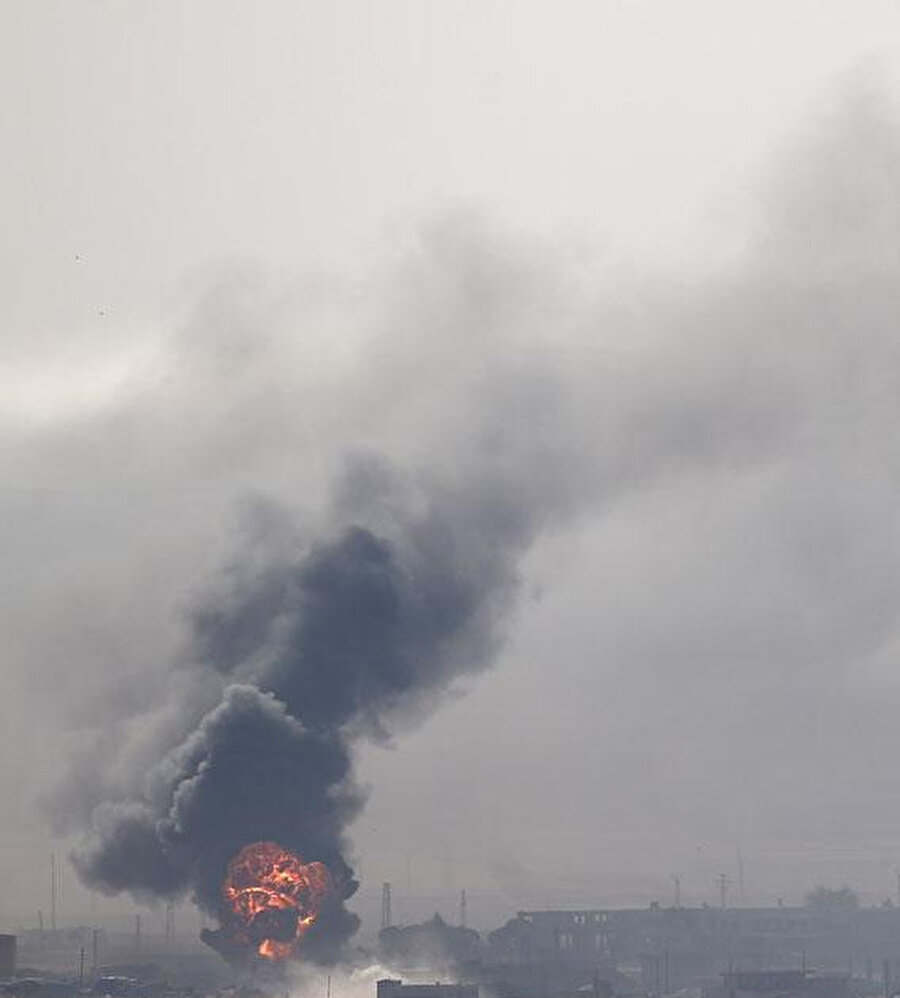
(666, 948)
(389, 988)
(7, 957)
(784, 984)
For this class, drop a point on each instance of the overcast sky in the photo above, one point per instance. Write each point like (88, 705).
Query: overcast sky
(242, 240)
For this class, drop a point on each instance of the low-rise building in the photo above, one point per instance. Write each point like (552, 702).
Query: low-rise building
(7, 957)
(672, 947)
(390, 988)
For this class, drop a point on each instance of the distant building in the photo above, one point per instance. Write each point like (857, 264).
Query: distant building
(7, 957)
(388, 988)
(784, 984)
(667, 948)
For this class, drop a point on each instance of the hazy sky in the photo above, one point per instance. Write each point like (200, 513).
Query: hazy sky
(240, 240)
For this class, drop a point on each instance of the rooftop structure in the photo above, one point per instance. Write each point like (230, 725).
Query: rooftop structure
(388, 988)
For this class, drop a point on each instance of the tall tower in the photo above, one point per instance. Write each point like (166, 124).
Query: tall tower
(54, 889)
(462, 907)
(722, 881)
(386, 919)
(170, 925)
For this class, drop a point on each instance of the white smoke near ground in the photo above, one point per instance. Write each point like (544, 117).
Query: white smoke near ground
(358, 982)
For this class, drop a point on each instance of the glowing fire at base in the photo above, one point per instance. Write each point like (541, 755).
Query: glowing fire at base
(274, 897)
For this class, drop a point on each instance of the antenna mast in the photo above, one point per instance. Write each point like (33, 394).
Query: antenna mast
(722, 881)
(54, 888)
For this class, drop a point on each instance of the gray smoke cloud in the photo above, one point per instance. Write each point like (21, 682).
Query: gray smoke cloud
(319, 650)
(249, 772)
(370, 621)
(315, 645)
(393, 479)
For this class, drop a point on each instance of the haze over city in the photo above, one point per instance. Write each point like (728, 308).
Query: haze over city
(571, 326)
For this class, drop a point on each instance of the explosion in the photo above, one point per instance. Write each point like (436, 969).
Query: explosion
(273, 898)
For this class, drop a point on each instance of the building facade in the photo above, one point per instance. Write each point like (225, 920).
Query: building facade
(667, 948)
(390, 988)
(7, 957)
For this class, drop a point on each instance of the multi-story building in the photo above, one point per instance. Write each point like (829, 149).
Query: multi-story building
(670, 947)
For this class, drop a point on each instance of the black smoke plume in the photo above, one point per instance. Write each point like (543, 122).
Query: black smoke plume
(340, 639)
(490, 429)
(310, 643)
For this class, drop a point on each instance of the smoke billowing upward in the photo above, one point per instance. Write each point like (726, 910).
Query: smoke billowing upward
(368, 622)
(248, 772)
(339, 639)
(493, 409)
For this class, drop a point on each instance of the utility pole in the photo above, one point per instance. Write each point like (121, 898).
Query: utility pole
(54, 882)
(740, 873)
(170, 925)
(386, 920)
(137, 935)
(722, 881)
(676, 880)
(81, 970)
(462, 907)
(95, 952)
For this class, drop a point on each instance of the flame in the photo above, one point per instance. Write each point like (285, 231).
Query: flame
(274, 896)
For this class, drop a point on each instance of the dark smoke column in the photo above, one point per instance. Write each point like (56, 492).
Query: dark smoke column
(312, 654)
(250, 772)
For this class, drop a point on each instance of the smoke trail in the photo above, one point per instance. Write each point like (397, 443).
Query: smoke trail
(344, 639)
(508, 402)
(370, 622)
(315, 643)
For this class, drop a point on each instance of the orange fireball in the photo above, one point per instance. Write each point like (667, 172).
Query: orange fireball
(274, 896)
